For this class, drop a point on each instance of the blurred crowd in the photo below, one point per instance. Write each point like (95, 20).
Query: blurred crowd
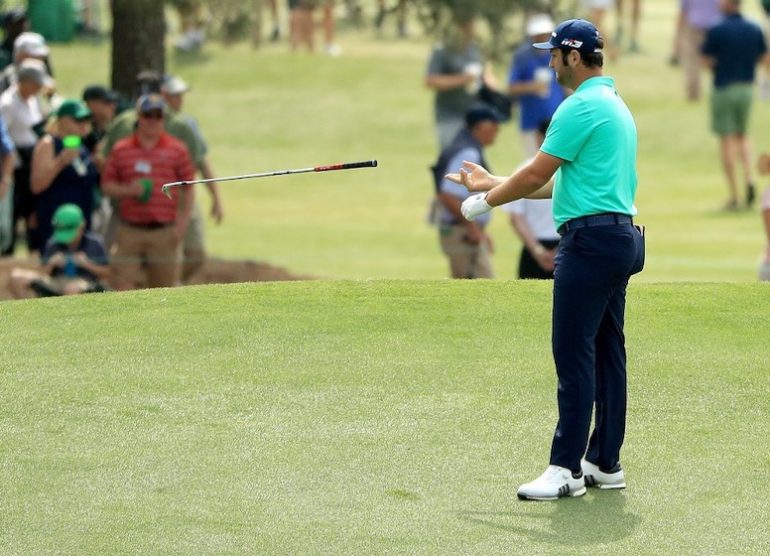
(81, 177)
(709, 36)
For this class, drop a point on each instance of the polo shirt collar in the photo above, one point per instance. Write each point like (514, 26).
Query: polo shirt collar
(598, 81)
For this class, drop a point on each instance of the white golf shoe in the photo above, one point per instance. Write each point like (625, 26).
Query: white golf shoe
(595, 477)
(553, 484)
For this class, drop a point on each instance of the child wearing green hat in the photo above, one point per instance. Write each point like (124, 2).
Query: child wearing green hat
(74, 260)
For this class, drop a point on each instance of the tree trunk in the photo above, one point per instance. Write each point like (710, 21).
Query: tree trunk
(138, 42)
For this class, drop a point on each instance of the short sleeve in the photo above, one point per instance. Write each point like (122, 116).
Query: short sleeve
(570, 127)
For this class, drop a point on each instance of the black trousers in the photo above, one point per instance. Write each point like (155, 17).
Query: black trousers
(589, 299)
(528, 266)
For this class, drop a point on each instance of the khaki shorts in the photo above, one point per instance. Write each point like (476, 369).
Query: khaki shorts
(157, 251)
(465, 259)
(730, 107)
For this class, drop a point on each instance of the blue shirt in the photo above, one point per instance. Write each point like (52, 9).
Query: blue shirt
(90, 245)
(528, 61)
(470, 154)
(737, 45)
(594, 133)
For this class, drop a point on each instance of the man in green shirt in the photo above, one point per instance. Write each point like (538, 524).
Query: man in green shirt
(591, 148)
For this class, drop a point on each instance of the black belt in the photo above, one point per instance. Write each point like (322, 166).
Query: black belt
(605, 219)
(148, 225)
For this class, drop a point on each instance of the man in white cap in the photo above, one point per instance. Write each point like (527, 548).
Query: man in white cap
(532, 82)
(194, 249)
(27, 46)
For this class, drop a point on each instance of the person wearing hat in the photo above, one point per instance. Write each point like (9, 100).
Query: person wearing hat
(103, 104)
(74, 260)
(194, 247)
(590, 147)
(124, 124)
(23, 111)
(62, 168)
(531, 80)
(28, 46)
(151, 225)
(465, 244)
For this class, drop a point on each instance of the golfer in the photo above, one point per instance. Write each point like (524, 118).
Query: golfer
(591, 148)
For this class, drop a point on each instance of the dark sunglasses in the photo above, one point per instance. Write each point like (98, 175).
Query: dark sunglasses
(152, 115)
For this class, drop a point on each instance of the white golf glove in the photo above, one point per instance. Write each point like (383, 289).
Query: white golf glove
(475, 206)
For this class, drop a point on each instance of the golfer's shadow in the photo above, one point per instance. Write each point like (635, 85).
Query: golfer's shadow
(599, 517)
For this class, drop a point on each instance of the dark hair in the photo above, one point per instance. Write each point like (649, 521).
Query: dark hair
(590, 59)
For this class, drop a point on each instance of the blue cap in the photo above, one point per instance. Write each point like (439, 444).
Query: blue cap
(573, 34)
(150, 102)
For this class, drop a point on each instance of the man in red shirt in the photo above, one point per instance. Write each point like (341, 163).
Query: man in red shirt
(151, 226)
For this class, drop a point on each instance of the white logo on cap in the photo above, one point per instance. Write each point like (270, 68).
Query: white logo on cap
(572, 43)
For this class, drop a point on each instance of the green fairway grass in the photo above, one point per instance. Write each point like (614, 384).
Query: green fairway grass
(370, 417)
(268, 109)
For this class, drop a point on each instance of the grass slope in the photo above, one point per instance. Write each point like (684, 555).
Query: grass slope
(369, 418)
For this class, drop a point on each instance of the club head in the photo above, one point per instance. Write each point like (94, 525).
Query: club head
(165, 190)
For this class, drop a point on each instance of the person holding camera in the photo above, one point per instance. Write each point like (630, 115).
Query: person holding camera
(62, 168)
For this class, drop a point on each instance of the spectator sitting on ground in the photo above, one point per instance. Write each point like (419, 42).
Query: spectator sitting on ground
(62, 169)
(74, 261)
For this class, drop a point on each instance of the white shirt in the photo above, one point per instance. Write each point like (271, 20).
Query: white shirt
(538, 214)
(20, 116)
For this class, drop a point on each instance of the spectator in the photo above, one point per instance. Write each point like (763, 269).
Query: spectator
(103, 104)
(533, 82)
(194, 250)
(532, 221)
(123, 125)
(22, 111)
(191, 15)
(151, 226)
(456, 72)
(330, 47)
(732, 49)
(7, 163)
(62, 169)
(15, 22)
(27, 45)
(301, 27)
(74, 261)
(696, 17)
(465, 243)
(634, 19)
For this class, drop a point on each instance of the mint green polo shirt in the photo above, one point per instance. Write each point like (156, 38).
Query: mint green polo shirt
(594, 133)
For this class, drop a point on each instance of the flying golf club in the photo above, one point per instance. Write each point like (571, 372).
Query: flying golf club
(327, 168)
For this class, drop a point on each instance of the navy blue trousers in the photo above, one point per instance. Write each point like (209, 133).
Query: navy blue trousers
(589, 299)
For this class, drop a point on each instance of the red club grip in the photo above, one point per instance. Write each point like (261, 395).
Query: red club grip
(347, 166)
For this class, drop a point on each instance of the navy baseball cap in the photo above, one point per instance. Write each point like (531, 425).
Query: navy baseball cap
(574, 34)
(481, 113)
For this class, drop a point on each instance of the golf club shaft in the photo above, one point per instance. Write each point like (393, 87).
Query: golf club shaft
(327, 168)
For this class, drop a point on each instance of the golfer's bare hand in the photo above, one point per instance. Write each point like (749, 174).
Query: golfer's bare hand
(473, 177)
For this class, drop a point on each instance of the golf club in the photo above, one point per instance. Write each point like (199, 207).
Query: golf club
(327, 168)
